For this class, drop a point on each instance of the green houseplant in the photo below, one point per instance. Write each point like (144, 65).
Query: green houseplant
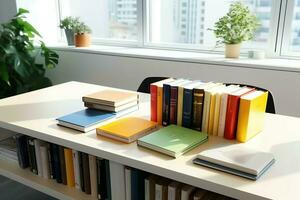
(82, 35)
(22, 63)
(68, 24)
(238, 25)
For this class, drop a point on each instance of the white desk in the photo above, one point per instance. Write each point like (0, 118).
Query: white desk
(34, 114)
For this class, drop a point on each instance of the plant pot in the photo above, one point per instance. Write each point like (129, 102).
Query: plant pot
(82, 40)
(232, 50)
(70, 37)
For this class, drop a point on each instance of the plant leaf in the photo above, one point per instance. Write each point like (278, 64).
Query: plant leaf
(4, 73)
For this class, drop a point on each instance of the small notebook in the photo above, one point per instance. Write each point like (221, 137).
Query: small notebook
(127, 129)
(173, 140)
(236, 159)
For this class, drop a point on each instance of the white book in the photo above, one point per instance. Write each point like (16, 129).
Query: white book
(158, 192)
(128, 183)
(93, 176)
(186, 192)
(147, 189)
(45, 161)
(76, 168)
(117, 180)
(236, 159)
(223, 108)
(172, 187)
(37, 144)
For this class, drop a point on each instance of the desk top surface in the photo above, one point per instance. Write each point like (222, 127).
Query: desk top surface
(34, 114)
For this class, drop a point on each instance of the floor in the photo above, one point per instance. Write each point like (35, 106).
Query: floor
(11, 190)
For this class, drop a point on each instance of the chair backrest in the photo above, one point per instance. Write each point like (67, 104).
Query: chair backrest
(270, 102)
(145, 85)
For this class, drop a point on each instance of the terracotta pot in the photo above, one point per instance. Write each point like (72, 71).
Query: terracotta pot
(82, 40)
(232, 50)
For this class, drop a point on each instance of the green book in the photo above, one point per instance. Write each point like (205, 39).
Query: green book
(173, 140)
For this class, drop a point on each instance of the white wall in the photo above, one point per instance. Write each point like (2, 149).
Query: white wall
(127, 73)
(8, 9)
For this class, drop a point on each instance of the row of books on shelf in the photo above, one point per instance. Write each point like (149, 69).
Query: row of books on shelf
(101, 178)
(229, 111)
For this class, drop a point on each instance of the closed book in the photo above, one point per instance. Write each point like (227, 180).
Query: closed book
(127, 129)
(80, 161)
(86, 173)
(111, 108)
(31, 154)
(137, 184)
(76, 168)
(111, 97)
(161, 189)
(153, 95)
(180, 101)
(99, 182)
(147, 188)
(37, 144)
(173, 189)
(45, 161)
(93, 175)
(128, 183)
(150, 186)
(251, 115)
(69, 167)
(50, 159)
(117, 180)
(187, 110)
(232, 112)
(186, 192)
(223, 108)
(173, 140)
(56, 162)
(22, 150)
(62, 163)
(108, 194)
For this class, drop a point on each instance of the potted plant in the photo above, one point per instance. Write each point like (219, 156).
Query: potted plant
(82, 35)
(238, 25)
(68, 25)
(24, 58)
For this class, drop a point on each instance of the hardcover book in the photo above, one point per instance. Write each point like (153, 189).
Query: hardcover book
(173, 140)
(180, 102)
(22, 150)
(127, 129)
(69, 167)
(111, 108)
(62, 165)
(32, 157)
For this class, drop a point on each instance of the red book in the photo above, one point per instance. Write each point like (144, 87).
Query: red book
(232, 112)
(153, 94)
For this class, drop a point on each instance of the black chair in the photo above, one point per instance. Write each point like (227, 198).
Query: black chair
(145, 85)
(270, 102)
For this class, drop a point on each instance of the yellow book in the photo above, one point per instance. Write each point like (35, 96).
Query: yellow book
(217, 110)
(211, 112)
(127, 129)
(69, 167)
(251, 115)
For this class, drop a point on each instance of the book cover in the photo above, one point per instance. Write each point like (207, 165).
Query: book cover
(251, 115)
(62, 165)
(232, 112)
(180, 101)
(111, 97)
(173, 140)
(127, 129)
(117, 180)
(93, 176)
(31, 154)
(45, 161)
(69, 167)
(22, 150)
(111, 108)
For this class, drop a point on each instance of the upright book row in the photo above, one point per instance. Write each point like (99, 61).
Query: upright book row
(102, 179)
(228, 111)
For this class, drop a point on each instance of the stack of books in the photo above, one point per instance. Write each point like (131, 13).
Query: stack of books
(101, 106)
(232, 111)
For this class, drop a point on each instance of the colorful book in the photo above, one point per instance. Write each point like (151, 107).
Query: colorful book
(111, 97)
(180, 101)
(251, 115)
(111, 108)
(69, 167)
(232, 112)
(127, 129)
(173, 140)
(154, 101)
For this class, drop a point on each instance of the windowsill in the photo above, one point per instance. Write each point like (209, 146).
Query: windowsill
(278, 64)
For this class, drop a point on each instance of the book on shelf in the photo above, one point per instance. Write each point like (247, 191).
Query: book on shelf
(111, 108)
(37, 144)
(186, 192)
(117, 181)
(62, 163)
(154, 98)
(111, 97)
(232, 112)
(86, 173)
(174, 190)
(137, 184)
(127, 129)
(32, 156)
(69, 167)
(56, 163)
(45, 160)
(173, 140)
(180, 101)
(161, 189)
(251, 115)
(76, 167)
(199, 194)
(236, 159)
(93, 176)
(22, 150)
(150, 187)
(128, 183)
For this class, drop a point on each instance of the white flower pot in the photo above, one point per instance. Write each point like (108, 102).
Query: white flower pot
(232, 50)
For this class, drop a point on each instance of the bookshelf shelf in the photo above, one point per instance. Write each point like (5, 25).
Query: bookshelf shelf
(11, 170)
(34, 114)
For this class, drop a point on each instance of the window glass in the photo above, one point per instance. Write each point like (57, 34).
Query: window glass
(294, 43)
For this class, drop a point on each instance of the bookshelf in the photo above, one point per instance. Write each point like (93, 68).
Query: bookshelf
(34, 114)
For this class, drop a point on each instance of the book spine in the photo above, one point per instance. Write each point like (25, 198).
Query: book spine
(166, 105)
(86, 173)
(153, 102)
(22, 151)
(50, 159)
(134, 184)
(211, 114)
(69, 167)
(179, 106)
(158, 192)
(56, 162)
(31, 154)
(37, 144)
(231, 117)
(80, 159)
(187, 108)
(216, 115)
(205, 115)
(128, 183)
(93, 175)
(62, 165)
(198, 109)
(222, 117)
(159, 104)
(98, 165)
(45, 161)
(173, 104)
(76, 168)
(147, 189)
(103, 182)
(107, 179)
(117, 180)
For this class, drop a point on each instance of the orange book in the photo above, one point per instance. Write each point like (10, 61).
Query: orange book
(127, 129)
(69, 167)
